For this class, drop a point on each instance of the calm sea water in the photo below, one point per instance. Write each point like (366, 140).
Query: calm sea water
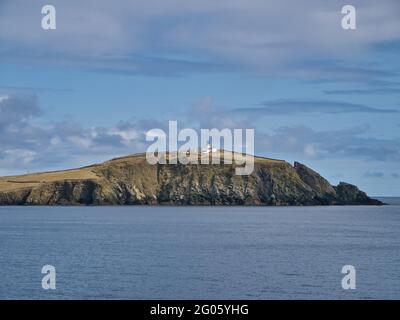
(200, 252)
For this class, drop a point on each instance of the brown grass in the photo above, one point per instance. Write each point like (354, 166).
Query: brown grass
(32, 180)
(35, 179)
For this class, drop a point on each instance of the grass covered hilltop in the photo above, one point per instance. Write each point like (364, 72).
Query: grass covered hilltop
(132, 180)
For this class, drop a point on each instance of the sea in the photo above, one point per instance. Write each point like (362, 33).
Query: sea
(141, 252)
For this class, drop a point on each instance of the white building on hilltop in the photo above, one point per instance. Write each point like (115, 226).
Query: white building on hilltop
(209, 149)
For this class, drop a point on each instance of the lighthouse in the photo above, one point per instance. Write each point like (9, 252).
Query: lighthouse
(209, 149)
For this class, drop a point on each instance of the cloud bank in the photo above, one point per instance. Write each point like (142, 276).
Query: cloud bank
(193, 36)
(291, 106)
(27, 142)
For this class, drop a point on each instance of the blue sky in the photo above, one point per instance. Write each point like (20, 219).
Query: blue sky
(314, 92)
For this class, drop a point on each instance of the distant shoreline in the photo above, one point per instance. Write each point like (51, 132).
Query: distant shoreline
(389, 200)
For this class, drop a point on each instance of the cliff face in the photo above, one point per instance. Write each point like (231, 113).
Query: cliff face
(131, 180)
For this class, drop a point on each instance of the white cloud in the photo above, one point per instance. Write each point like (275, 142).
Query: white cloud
(20, 155)
(26, 142)
(127, 135)
(55, 141)
(3, 98)
(80, 142)
(309, 151)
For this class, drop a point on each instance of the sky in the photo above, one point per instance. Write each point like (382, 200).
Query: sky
(314, 92)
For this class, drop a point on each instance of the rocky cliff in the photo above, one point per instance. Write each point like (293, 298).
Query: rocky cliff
(132, 181)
